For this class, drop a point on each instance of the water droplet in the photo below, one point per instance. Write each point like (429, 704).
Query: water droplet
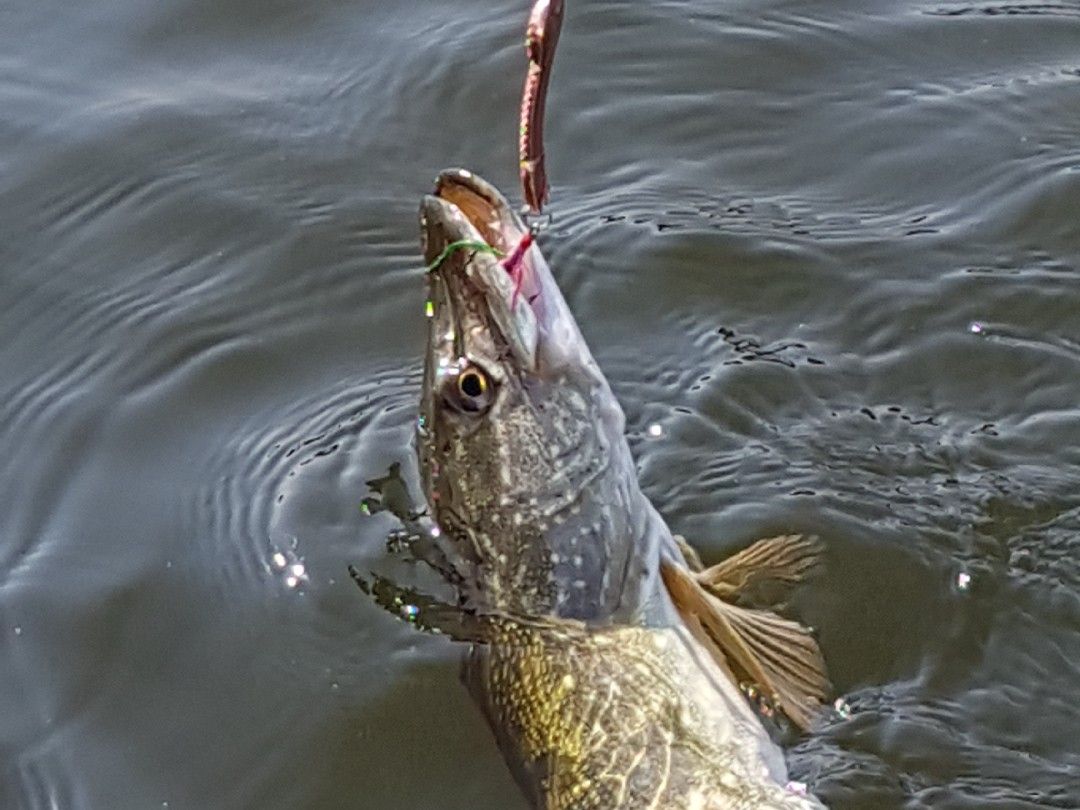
(410, 612)
(18, 630)
(656, 430)
(963, 580)
(279, 559)
(842, 707)
(798, 788)
(976, 328)
(292, 582)
(298, 570)
(429, 309)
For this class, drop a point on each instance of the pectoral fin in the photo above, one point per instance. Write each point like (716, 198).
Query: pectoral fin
(778, 656)
(787, 559)
(689, 553)
(425, 612)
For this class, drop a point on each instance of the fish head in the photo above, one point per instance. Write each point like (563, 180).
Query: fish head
(520, 441)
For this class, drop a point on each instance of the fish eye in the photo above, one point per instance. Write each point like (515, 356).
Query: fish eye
(472, 384)
(472, 390)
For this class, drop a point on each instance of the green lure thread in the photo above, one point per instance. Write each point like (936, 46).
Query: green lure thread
(462, 244)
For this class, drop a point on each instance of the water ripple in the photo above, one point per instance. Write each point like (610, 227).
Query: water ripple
(280, 486)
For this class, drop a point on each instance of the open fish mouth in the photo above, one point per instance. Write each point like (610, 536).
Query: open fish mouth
(483, 205)
(468, 232)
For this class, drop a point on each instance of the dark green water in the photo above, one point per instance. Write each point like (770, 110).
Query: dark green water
(831, 248)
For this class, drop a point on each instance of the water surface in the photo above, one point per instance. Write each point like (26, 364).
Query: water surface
(832, 249)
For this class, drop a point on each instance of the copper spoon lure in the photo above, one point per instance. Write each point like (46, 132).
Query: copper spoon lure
(541, 37)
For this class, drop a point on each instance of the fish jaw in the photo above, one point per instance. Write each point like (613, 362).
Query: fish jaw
(540, 307)
(469, 289)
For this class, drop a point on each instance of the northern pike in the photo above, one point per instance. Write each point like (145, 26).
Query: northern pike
(613, 670)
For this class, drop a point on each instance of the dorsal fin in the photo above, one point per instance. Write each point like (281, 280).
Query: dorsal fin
(778, 656)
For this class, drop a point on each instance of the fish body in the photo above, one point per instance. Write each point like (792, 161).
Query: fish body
(624, 717)
(609, 670)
